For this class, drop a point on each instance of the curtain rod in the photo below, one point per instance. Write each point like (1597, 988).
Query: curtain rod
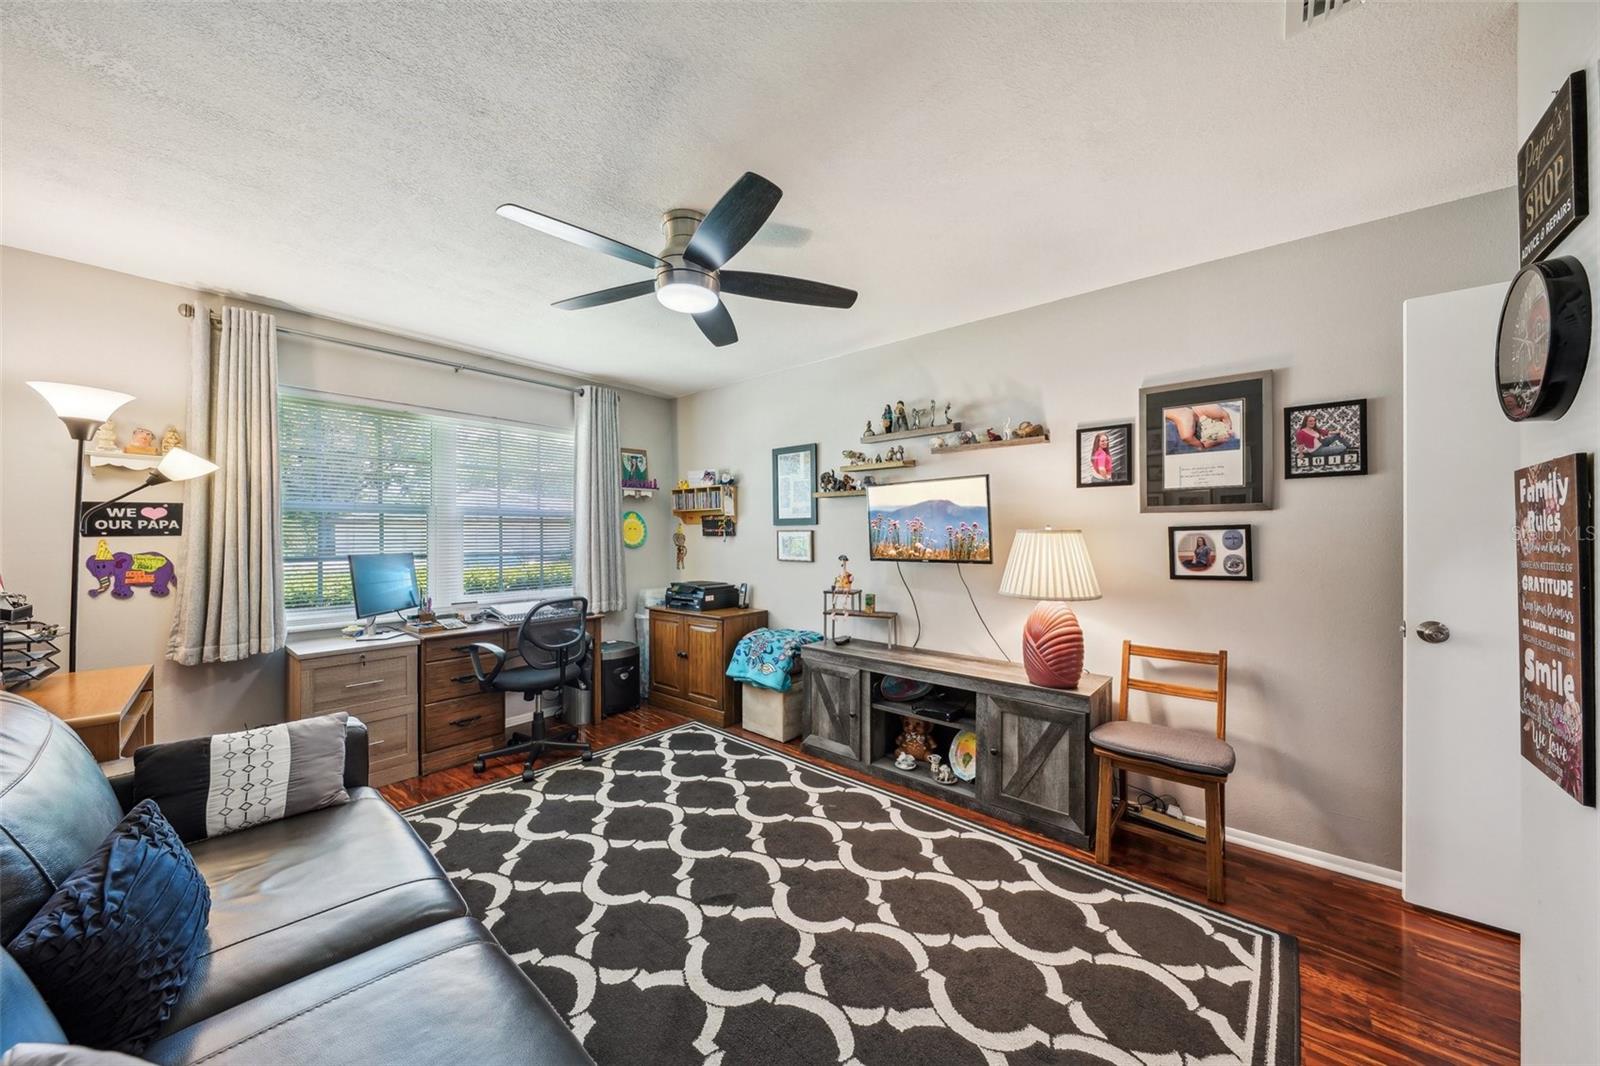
(187, 311)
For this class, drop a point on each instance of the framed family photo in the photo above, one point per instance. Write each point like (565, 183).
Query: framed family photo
(1325, 439)
(794, 479)
(1207, 445)
(1105, 455)
(1213, 553)
(796, 545)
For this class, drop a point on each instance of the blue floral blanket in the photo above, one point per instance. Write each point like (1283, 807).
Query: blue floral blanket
(767, 657)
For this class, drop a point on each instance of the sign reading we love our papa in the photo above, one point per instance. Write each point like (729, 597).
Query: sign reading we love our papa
(135, 520)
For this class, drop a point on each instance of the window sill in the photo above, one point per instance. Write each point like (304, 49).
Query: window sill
(332, 621)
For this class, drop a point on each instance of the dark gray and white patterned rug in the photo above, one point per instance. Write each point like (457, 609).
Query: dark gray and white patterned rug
(694, 898)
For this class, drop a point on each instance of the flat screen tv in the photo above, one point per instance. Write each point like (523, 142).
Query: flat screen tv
(940, 520)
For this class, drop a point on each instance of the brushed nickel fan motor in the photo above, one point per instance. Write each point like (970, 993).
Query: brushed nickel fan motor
(681, 285)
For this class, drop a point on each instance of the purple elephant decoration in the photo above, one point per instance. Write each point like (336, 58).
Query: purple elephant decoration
(121, 573)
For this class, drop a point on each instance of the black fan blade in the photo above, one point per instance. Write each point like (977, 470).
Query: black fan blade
(717, 325)
(733, 221)
(607, 296)
(789, 290)
(577, 235)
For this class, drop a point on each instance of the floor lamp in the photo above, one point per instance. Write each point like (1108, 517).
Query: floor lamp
(82, 409)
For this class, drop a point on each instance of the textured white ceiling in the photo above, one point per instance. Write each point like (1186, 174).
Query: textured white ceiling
(949, 161)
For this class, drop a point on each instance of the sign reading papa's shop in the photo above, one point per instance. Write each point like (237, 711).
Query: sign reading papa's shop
(1553, 173)
(134, 520)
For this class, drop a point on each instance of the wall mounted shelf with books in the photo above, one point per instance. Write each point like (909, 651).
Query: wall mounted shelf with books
(1012, 443)
(907, 434)
(691, 505)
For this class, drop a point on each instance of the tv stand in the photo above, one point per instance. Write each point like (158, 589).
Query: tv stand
(1033, 765)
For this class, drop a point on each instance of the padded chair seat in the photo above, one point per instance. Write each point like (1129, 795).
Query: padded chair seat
(443, 994)
(537, 678)
(1181, 749)
(293, 896)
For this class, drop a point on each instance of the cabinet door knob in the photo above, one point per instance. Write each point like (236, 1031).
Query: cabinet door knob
(995, 752)
(683, 655)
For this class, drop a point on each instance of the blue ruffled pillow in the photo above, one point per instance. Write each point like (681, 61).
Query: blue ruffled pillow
(111, 951)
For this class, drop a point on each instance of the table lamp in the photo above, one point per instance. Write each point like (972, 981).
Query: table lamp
(1051, 565)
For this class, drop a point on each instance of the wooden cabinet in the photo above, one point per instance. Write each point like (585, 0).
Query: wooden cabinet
(376, 683)
(834, 699)
(1036, 756)
(458, 719)
(689, 655)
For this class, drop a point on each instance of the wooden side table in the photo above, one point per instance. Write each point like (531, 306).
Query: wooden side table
(113, 710)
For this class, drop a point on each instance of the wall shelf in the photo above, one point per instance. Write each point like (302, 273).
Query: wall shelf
(123, 459)
(631, 493)
(1012, 443)
(836, 495)
(907, 434)
(691, 505)
(855, 468)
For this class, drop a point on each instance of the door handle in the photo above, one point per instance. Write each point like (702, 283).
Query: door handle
(1433, 632)
(463, 679)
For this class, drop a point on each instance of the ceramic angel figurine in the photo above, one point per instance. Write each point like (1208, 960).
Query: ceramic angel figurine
(105, 438)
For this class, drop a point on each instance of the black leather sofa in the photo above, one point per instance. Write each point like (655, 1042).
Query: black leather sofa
(334, 936)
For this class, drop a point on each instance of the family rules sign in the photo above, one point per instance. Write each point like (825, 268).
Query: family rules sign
(1555, 620)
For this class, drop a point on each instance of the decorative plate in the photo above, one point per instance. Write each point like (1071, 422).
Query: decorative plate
(964, 755)
(634, 531)
(901, 689)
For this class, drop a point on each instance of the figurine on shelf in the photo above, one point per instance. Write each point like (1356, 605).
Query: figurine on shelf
(846, 580)
(727, 480)
(1030, 429)
(938, 442)
(853, 456)
(934, 761)
(888, 419)
(897, 454)
(905, 761)
(683, 484)
(941, 770)
(868, 479)
(105, 438)
(922, 417)
(878, 458)
(966, 436)
(680, 541)
(171, 439)
(915, 739)
(901, 425)
(993, 434)
(143, 442)
(827, 481)
(947, 415)
(847, 483)
(1005, 431)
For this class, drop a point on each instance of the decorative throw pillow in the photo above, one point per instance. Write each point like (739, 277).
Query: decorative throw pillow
(65, 1055)
(220, 784)
(113, 947)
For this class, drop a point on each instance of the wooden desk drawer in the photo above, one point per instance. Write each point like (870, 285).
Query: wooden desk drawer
(450, 679)
(480, 717)
(361, 678)
(391, 742)
(449, 644)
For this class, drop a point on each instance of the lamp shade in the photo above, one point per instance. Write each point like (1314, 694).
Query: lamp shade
(83, 402)
(179, 465)
(1050, 564)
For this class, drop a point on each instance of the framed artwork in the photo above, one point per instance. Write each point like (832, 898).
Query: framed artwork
(794, 479)
(1105, 455)
(1210, 553)
(634, 530)
(635, 466)
(796, 545)
(1207, 445)
(1555, 621)
(1325, 439)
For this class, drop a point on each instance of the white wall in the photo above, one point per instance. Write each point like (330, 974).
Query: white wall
(1560, 847)
(66, 321)
(1314, 695)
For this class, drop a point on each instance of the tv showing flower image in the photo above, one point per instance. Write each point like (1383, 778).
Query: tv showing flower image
(942, 520)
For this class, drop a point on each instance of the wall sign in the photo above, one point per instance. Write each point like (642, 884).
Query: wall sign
(1555, 618)
(1553, 173)
(134, 520)
(119, 573)
(1543, 346)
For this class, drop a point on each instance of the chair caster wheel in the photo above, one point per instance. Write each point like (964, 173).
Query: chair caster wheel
(477, 766)
(527, 777)
(588, 756)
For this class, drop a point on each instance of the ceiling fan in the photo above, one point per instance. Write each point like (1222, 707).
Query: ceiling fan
(689, 271)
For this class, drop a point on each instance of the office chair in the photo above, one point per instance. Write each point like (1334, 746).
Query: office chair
(553, 642)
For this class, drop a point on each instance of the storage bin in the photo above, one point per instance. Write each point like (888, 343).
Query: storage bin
(619, 671)
(775, 715)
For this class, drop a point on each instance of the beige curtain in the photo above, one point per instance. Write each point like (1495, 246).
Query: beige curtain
(230, 602)
(598, 541)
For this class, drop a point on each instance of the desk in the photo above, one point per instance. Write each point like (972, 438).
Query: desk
(113, 710)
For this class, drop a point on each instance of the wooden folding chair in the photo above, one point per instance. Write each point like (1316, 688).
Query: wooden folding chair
(1184, 755)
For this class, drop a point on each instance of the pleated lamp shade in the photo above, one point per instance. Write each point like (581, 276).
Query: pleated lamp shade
(1051, 565)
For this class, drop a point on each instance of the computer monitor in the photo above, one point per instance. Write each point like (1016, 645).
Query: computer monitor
(383, 583)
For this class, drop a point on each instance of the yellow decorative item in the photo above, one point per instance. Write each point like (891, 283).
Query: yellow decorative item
(634, 530)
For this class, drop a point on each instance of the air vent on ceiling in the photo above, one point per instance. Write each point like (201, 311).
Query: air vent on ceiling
(1302, 15)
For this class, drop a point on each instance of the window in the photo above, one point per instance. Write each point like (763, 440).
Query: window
(486, 507)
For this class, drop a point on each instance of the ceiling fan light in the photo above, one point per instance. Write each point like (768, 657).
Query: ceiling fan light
(690, 292)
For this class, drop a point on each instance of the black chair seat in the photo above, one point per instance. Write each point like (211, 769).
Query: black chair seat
(537, 678)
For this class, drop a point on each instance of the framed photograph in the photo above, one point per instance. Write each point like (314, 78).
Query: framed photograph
(1105, 455)
(794, 479)
(700, 478)
(1207, 445)
(1210, 553)
(1325, 439)
(635, 466)
(796, 545)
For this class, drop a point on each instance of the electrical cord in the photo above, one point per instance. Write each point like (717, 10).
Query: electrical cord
(913, 599)
(977, 612)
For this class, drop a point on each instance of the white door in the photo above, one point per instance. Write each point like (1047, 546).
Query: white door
(1461, 762)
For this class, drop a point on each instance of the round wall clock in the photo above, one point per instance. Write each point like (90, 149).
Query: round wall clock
(1544, 339)
(634, 531)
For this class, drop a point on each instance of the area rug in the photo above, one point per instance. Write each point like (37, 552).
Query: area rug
(694, 898)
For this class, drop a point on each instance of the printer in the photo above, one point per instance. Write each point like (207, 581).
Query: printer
(702, 595)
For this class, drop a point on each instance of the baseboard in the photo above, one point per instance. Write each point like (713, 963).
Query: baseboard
(1365, 871)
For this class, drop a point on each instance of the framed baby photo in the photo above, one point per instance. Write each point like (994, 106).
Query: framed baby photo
(1210, 553)
(796, 545)
(1325, 439)
(1105, 455)
(1207, 445)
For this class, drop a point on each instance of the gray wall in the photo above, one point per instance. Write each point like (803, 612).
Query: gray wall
(65, 321)
(1314, 699)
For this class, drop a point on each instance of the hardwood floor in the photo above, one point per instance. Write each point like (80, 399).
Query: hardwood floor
(1380, 981)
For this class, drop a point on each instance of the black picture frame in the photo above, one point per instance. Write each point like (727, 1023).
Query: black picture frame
(808, 453)
(1122, 430)
(1352, 461)
(1219, 569)
(1235, 475)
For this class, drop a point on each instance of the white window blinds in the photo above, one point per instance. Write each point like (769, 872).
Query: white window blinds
(486, 507)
